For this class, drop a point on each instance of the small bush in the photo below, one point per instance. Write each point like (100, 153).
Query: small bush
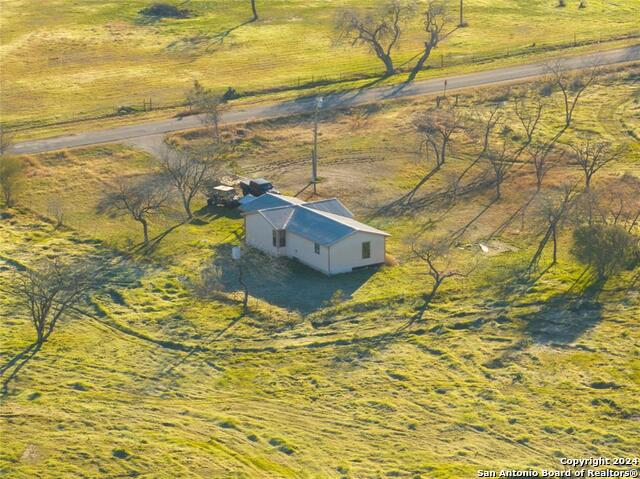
(78, 386)
(562, 3)
(546, 90)
(230, 94)
(165, 10)
(282, 445)
(608, 249)
(120, 454)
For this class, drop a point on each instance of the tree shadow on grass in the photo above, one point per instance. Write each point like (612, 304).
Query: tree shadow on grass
(212, 213)
(287, 283)
(564, 318)
(109, 272)
(204, 42)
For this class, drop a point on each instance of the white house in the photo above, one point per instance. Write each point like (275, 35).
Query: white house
(321, 234)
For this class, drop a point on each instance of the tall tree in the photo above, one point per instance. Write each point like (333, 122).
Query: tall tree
(11, 172)
(529, 112)
(209, 105)
(254, 10)
(617, 202)
(436, 129)
(438, 266)
(140, 198)
(543, 158)
(501, 159)
(553, 209)
(435, 255)
(189, 172)
(591, 155)
(379, 30)
(436, 18)
(48, 293)
(11, 169)
(571, 84)
(247, 273)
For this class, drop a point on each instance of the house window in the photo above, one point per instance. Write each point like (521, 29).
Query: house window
(275, 238)
(283, 238)
(316, 248)
(366, 250)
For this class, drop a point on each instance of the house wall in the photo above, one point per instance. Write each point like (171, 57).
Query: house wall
(258, 233)
(341, 257)
(303, 250)
(347, 254)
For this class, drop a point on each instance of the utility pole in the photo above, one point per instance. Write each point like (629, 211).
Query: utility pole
(314, 153)
(461, 14)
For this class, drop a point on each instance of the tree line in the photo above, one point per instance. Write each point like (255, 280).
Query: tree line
(512, 135)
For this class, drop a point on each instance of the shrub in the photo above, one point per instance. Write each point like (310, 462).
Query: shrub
(608, 249)
(230, 94)
(120, 454)
(165, 10)
(546, 90)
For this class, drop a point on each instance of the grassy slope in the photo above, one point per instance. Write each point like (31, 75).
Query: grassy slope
(307, 387)
(92, 56)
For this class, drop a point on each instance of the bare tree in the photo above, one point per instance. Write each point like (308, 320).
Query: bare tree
(436, 18)
(378, 30)
(616, 201)
(11, 169)
(254, 10)
(436, 256)
(189, 172)
(501, 160)
(591, 156)
(11, 172)
(56, 211)
(438, 267)
(572, 85)
(436, 128)
(194, 95)
(553, 210)
(249, 271)
(529, 112)
(487, 123)
(49, 292)
(543, 160)
(140, 198)
(620, 202)
(209, 104)
(6, 141)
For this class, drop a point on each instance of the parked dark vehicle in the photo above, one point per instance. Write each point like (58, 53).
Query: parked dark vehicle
(257, 187)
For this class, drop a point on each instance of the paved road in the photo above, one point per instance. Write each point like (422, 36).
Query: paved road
(342, 100)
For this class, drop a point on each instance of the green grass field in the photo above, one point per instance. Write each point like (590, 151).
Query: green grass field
(322, 378)
(89, 57)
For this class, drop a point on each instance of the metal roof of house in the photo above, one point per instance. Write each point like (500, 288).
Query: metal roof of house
(268, 200)
(312, 221)
(278, 217)
(331, 205)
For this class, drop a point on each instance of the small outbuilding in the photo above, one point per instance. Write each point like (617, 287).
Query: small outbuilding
(321, 234)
